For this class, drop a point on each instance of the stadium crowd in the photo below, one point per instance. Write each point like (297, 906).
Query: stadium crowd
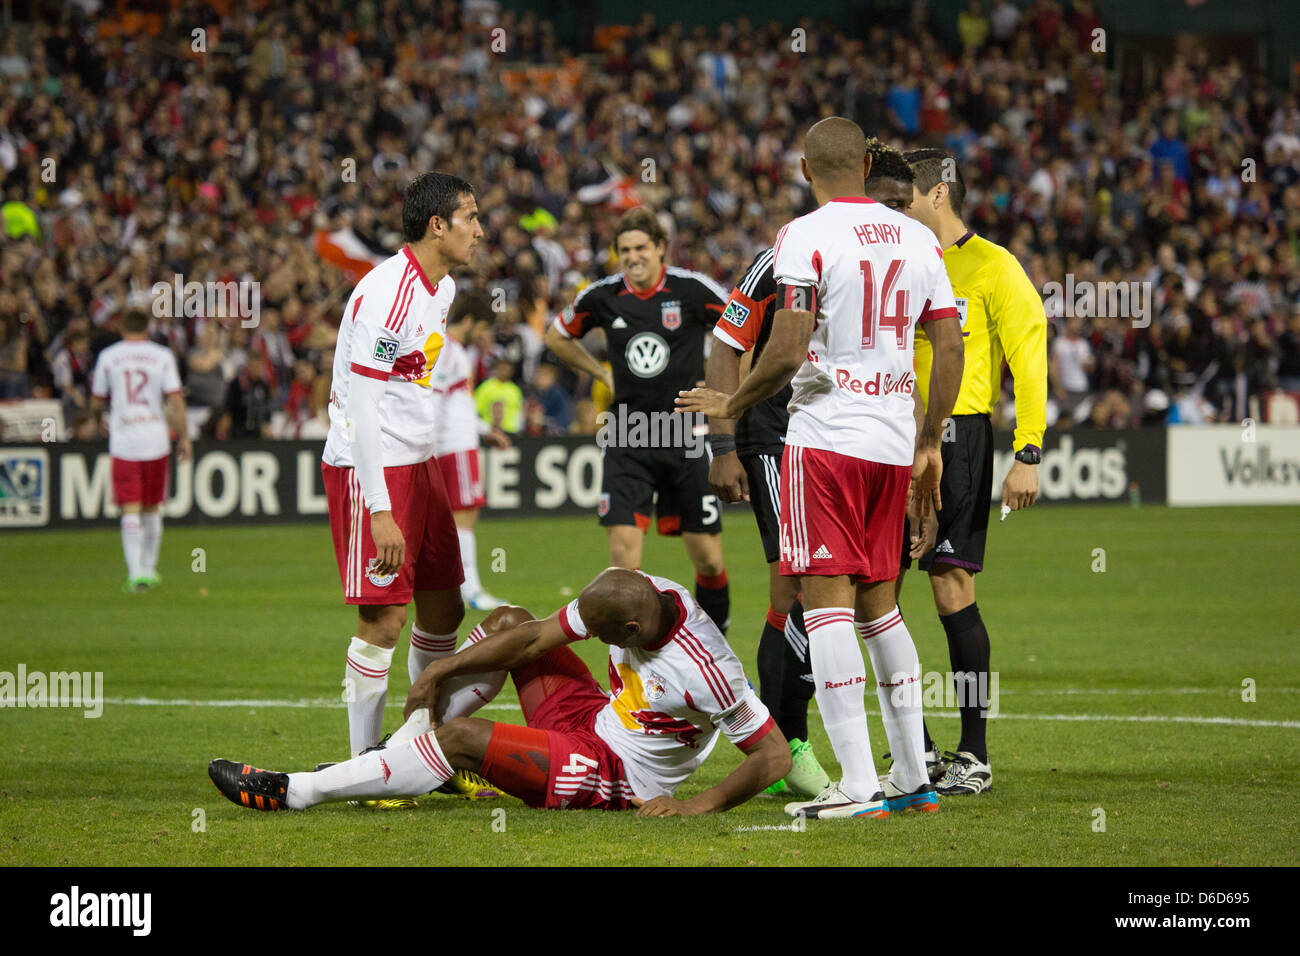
(133, 152)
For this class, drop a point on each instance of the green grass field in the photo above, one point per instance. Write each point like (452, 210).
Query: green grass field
(1120, 690)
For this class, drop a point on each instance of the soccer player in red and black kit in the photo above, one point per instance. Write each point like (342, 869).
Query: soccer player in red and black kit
(747, 466)
(655, 319)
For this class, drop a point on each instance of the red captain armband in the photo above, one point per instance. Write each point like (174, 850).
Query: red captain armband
(800, 298)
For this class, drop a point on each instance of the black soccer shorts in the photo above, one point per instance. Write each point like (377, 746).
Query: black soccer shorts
(764, 472)
(967, 492)
(639, 482)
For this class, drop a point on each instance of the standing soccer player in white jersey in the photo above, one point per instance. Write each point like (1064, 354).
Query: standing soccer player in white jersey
(854, 279)
(674, 685)
(394, 537)
(139, 381)
(456, 440)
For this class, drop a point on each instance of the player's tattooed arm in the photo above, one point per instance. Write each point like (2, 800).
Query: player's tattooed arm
(505, 650)
(766, 762)
(726, 474)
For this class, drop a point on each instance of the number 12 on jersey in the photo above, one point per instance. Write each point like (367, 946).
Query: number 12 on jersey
(897, 319)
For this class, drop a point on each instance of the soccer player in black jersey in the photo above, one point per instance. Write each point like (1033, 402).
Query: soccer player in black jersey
(747, 466)
(656, 319)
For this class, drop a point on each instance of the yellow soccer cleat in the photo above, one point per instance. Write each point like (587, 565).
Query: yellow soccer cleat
(470, 786)
(391, 803)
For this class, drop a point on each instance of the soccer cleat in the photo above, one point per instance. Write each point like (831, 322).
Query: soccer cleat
(806, 776)
(482, 601)
(966, 775)
(470, 786)
(248, 786)
(776, 789)
(923, 799)
(833, 804)
(936, 764)
(136, 586)
(389, 803)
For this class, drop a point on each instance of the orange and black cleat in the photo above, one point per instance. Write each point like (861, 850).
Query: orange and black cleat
(248, 786)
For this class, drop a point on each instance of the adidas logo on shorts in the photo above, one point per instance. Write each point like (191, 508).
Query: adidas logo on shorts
(821, 554)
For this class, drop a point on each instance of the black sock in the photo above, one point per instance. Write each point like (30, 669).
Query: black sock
(799, 687)
(714, 596)
(968, 651)
(771, 670)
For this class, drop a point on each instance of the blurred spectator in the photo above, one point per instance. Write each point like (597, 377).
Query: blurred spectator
(556, 404)
(249, 402)
(500, 402)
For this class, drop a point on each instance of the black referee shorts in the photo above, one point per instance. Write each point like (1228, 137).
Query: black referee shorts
(967, 492)
(764, 473)
(639, 482)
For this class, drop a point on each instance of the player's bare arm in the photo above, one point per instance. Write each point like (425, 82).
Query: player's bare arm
(575, 355)
(786, 350)
(726, 474)
(503, 651)
(945, 383)
(766, 761)
(176, 422)
(924, 529)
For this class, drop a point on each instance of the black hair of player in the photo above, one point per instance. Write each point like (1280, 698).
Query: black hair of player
(428, 195)
(472, 305)
(640, 218)
(888, 163)
(135, 322)
(933, 166)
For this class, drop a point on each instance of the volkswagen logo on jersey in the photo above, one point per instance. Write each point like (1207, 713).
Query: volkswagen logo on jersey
(671, 313)
(647, 354)
(378, 580)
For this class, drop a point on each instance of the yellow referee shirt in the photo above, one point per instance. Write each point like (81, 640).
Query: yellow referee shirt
(1001, 314)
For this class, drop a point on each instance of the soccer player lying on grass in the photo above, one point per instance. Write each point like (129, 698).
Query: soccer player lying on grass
(674, 683)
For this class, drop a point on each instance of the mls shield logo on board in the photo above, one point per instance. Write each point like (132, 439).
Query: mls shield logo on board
(25, 488)
(671, 314)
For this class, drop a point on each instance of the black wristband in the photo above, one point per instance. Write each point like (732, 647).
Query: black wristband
(722, 444)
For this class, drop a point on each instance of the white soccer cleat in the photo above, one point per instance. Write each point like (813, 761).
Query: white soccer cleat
(936, 765)
(966, 775)
(482, 601)
(833, 804)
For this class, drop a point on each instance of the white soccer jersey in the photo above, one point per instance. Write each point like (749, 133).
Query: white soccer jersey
(457, 425)
(877, 274)
(392, 330)
(668, 702)
(136, 376)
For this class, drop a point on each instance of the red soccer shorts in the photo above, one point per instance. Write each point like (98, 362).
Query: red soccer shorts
(423, 515)
(841, 515)
(141, 483)
(558, 761)
(460, 473)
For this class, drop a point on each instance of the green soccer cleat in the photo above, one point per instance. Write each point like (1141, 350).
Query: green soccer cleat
(806, 776)
(136, 586)
(777, 789)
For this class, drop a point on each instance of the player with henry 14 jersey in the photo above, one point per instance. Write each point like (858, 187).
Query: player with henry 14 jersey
(141, 385)
(394, 537)
(854, 280)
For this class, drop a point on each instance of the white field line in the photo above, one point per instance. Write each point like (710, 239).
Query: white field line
(792, 828)
(1117, 718)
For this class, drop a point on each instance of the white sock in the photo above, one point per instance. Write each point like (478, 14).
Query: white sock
(132, 541)
(427, 648)
(841, 677)
(151, 540)
(410, 770)
(417, 724)
(466, 693)
(469, 561)
(898, 688)
(367, 669)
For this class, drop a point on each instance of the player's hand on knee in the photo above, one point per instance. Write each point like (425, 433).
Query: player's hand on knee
(424, 693)
(728, 479)
(390, 546)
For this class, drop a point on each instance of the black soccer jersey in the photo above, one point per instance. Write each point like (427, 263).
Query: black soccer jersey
(655, 338)
(746, 324)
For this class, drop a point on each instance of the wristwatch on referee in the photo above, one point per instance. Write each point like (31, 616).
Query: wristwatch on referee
(1030, 455)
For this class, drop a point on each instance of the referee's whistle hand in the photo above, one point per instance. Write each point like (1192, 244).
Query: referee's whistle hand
(1020, 488)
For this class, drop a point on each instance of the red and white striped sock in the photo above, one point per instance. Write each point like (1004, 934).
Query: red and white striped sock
(466, 693)
(427, 648)
(841, 676)
(365, 688)
(898, 688)
(410, 770)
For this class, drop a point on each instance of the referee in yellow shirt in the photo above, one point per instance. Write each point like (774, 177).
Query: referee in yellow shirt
(1001, 315)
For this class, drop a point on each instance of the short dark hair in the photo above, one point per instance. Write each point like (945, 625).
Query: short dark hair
(930, 166)
(640, 218)
(428, 195)
(135, 321)
(888, 163)
(472, 305)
